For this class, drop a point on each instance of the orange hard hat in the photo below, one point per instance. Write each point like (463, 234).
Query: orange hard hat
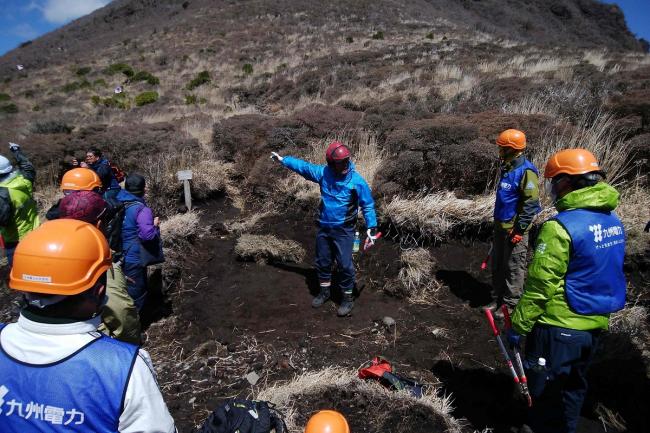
(327, 421)
(512, 138)
(61, 257)
(80, 179)
(571, 161)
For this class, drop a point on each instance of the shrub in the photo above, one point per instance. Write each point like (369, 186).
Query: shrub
(96, 100)
(429, 35)
(29, 93)
(145, 98)
(51, 127)
(83, 71)
(4, 97)
(202, 78)
(120, 67)
(247, 69)
(349, 39)
(146, 76)
(99, 83)
(36, 108)
(378, 36)
(70, 87)
(9, 109)
(85, 84)
(203, 101)
(190, 99)
(268, 248)
(117, 101)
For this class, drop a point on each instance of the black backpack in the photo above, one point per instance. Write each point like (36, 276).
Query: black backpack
(244, 416)
(112, 222)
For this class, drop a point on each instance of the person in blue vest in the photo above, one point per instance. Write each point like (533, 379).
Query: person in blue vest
(343, 192)
(57, 373)
(100, 165)
(575, 280)
(517, 203)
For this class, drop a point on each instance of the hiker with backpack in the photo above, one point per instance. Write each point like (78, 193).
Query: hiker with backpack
(575, 281)
(109, 173)
(82, 201)
(141, 243)
(343, 192)
(18, 214)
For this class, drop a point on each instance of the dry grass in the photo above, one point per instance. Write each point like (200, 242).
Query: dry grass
(416, 281)
(268, 248)
(631, 320)
(633, 211)
(433, 216)
(179, 229)
(243, 225)
(290, 398)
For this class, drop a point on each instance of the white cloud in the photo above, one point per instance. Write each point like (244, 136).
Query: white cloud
(62, 11)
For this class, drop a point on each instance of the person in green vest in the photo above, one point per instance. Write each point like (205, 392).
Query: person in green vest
(18, 214)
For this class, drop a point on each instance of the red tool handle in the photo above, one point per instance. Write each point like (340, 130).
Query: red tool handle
(484, 265)
(506, 316)
(488, 314)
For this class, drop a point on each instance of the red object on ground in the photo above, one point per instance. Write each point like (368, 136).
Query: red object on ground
(378, 366)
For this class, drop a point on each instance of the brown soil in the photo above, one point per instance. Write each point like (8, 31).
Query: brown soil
(261, 315)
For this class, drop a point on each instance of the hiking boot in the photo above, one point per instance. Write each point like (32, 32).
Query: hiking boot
(322, 297)
(347, 304)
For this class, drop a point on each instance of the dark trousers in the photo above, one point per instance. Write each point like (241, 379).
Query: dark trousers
(508, 267)
(335, 243)
(558, 393)
(136, 283)
(10, 249)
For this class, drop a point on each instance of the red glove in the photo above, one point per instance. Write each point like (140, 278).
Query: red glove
(515, 238)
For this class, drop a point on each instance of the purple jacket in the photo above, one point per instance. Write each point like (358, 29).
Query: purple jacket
(137, 226)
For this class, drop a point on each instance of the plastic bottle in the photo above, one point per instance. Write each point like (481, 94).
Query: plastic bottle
(357, 243)
(537, 376)
(540, 366)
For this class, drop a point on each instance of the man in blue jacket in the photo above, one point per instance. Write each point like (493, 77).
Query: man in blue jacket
(100, 165)
(343, 191)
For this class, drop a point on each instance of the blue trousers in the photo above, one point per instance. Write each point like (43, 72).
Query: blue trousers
(558, 392)
(136, 283)
(335, 243)
(10, 249)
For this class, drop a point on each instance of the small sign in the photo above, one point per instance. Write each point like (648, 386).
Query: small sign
(184, 174)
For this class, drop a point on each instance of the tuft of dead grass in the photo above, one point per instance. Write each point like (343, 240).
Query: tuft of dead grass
(242, 225)
(630, 320)
(180, 228)
(344, 384)
(633, 211)
(434, 216)
(268, 248)
(416, 281)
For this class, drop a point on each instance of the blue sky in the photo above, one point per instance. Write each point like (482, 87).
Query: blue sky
(22, 20)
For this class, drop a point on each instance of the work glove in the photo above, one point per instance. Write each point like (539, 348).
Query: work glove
(514, 238)
(14, 147)
(513, 338)
(372, 236)
(274, 155)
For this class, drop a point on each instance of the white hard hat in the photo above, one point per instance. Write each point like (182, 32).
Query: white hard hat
(5, 165)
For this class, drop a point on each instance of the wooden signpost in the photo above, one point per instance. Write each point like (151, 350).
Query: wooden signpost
(186, 176)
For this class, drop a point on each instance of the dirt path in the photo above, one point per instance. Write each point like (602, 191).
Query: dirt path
(262, 315)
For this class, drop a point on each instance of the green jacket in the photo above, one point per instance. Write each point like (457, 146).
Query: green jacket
(24, 216)
(543, 300)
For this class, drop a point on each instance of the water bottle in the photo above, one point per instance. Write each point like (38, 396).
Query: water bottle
(357, 243)
(537, 377)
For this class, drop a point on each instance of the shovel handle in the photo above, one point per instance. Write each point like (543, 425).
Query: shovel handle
(506, 316)
(493, 326)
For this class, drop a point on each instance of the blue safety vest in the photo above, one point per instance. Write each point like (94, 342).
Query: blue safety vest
(594, 282)
(508, 195)
(83, 392)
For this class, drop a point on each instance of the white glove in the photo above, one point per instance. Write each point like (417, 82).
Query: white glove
(274, 155)
(371, 237)
(13, 146)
